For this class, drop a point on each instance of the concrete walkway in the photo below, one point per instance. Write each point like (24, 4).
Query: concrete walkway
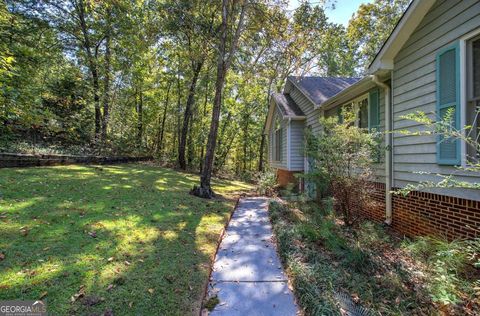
(247, 277)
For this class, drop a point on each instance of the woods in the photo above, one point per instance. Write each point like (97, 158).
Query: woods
(186, 81)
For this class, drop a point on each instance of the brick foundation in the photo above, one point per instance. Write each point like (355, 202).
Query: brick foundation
(284, 177)
(376, 211)
(421, 213)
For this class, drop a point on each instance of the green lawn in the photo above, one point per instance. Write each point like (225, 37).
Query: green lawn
(126, 238)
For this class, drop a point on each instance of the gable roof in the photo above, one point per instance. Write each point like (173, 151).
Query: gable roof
(320, 89)
(407, 24)
(287, 106)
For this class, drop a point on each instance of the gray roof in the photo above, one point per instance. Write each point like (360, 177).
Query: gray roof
(320, 89)
(287, 106)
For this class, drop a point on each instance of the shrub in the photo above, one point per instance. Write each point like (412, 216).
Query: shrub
(445, 261)
(341, 159)
(267, 181)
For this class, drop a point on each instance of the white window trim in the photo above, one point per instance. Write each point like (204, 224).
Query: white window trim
(356, 108)
(463, 90)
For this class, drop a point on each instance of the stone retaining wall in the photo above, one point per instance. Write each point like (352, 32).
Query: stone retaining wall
(9, 160)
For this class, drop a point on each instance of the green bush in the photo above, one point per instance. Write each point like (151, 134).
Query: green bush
(309, 232)
(341, 164)
(267, 182)
(445, 261)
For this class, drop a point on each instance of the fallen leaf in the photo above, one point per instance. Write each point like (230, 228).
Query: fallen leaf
(2, 256)
(43, 295)
(108, 312)
(110, 259)
(92, 300)
(169, 278)
(130, 304)
(127, 263)
(109, 287)
(92, 234)
(151, 291)
(80, 294)
(355, 298)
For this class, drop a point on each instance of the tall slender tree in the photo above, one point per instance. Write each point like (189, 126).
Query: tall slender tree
(229, 9)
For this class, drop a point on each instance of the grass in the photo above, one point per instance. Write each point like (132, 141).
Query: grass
(335, 267)
(125, 238)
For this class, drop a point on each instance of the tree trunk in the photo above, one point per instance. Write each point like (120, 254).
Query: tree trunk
(164, 118)
(92, 65)
(205, 190)
(106, 83)
(179, 109)
(220, 139)
(197, 67)
(262, 142)
(225, 153)
(140, 119)
(204, 115)
(245, 144)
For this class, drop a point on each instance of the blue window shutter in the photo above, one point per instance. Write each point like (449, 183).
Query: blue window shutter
(448, 98)
(374, 110)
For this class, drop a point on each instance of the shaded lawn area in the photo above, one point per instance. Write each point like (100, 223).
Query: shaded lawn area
(127, 238)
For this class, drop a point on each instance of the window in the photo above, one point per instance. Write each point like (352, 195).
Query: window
(365, 108)
(277, 141)
(473, 98)
(363, 113)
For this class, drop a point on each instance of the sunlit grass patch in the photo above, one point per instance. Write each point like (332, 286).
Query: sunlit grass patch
(129, 234)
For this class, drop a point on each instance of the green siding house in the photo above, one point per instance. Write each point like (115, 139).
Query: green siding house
(430, 63)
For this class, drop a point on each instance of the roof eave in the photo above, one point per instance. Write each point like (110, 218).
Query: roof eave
(301, 90)
(295, 117)
(413, 16)
(274, 105)
(348, 93)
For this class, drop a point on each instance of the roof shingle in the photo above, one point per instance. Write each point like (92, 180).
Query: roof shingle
(320, 89)
(287, 106)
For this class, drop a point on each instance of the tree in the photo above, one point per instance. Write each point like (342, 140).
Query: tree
(191, 23)
(224, 60)
(370, 27)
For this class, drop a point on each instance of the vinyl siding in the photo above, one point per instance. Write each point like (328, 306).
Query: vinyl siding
(313, 120)
(313, 116)
(379, 167)
(283, 163)
(414, 89)
(296, 145)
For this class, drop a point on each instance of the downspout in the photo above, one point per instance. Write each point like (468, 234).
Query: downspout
(289, 143)
(388, 149)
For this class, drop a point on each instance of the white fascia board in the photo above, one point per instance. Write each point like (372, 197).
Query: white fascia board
(402, 32)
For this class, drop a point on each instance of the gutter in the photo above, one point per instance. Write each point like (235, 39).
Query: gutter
(361, 85)
(388, 150)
